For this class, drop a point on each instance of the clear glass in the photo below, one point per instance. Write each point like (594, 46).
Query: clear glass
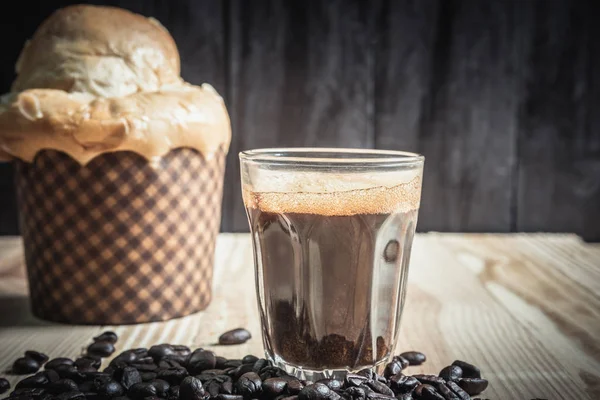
(332, 231)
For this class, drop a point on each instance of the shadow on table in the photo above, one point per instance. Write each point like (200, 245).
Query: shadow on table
(15, 311)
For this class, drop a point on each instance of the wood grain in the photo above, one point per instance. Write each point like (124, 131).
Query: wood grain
(559, 140)
(522, 307)
(299, 77)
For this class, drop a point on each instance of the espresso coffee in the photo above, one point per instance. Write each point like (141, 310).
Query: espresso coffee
(331, 273)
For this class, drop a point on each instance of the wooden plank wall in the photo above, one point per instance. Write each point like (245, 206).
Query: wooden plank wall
(500, 96)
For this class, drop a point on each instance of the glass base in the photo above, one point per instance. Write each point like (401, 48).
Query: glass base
(315, 375)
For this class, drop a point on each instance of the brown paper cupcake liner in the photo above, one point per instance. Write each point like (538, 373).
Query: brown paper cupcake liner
(119, 240)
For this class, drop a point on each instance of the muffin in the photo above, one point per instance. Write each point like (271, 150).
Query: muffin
(119, 169)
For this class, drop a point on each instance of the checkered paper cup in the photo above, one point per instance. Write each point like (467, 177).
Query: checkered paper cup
(119, 240)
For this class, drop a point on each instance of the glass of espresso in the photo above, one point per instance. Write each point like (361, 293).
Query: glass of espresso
(332, 231)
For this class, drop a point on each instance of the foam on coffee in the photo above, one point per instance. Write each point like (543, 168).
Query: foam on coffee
(331, 194)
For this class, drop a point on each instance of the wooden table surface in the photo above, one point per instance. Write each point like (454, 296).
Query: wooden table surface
(525, 308)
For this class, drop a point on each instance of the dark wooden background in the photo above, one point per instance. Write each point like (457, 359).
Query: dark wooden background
(502, 97)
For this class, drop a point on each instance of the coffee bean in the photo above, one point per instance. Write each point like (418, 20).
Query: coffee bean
(162, 387)
(473, 386)
(316, 391)
(355, 379)
(259, 364)
(468, 370)
(380, 388)
(63, 385)
(55, 362)
(427, 392)
(73, 395)
(66, 371)
(38, 380)
(414, 357)
(367, 373)
(432, 380)
(458, 390)
(161, 351)
(273, 386)
(355, 393)
(51, 375)
(400, 383)
(233, 363)
(130, 377)
(220, 362)
(191, 389)
(41, 358)
(404, 396)
(201, 360)
(172, 375)
(87, 387)
(332, 384)
(392, 369)
(451, 373)
(404, 363)
(227, 387)
(174, 391)
(4, 385)
(230, 397)
(235, 336)
(446, 393)
(249, 384)
(102, 349)
(141, 390)
(25, 365)
(241, 370)
(148, 376)
(249, 359)
(294, 386)
(87, 362)
(108, 336)
(109, 388)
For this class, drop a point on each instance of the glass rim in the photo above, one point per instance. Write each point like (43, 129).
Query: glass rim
(331, 156)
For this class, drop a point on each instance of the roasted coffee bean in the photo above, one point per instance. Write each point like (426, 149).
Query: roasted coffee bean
(355, 380)
(239, 371)
(404, 396)
(400, 383)
(130, 356)
(227, 387)
(355, 393)
(367, 373)
(107, 336)
(63, 385)
(32, 392)
(87, 362)
(379, 396)
(249, 384)
(25, 365)
(381, 388)
(51, 375)
(462, 395)
(468, 370)
(414, 357)
(109, 388)
(451, 373)
(86, 387)
(41, 358)
(55, 362)
(404, 363)
(332, 384)
(235, 336)
(38, 380)
(160, 351)
(172, 375)
(148, 376)
(446, 393)
(427, 392)
(220, 362)
(191, 389)
(230, 397)
(392, 369)
(473, 386)
(162, 387)
(201, 360)
(249, 359)
(316, 391)
(4, 385)
(273, 386)
(213, 388)
(294, 386)
(66, 371)
(101, 349)
(129, 377)
(174, 391)
(73, 395)
(233, 363)
(259, 364)
(432, 380)
(141, 390)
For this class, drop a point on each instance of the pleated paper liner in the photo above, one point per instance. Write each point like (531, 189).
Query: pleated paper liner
(119, 241)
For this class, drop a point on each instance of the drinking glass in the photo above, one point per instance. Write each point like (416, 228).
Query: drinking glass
(332, 231)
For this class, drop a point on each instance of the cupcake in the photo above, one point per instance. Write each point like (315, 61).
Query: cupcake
(119, 170)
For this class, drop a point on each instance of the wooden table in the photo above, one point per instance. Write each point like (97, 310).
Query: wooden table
(525, 308)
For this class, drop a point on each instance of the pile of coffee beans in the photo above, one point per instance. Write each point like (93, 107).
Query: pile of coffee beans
(173, 372)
